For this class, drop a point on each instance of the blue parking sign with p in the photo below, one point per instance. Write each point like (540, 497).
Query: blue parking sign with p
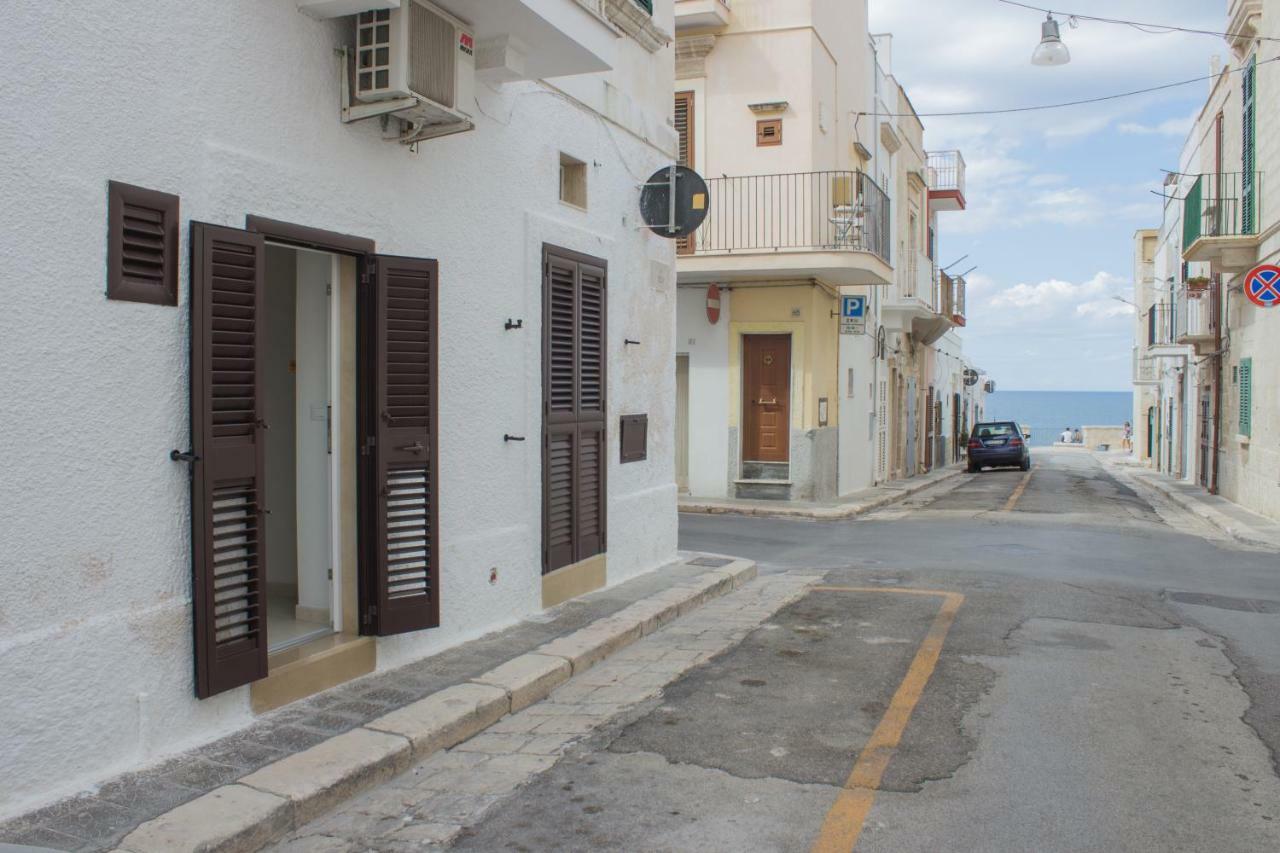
(853, 307)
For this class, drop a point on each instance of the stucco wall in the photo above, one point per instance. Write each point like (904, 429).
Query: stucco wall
(234, 107)
(708, 348)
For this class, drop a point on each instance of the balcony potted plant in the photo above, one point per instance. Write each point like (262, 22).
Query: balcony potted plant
(1197, 285)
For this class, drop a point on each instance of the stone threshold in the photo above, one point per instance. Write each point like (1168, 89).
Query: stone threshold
(285, 794)
(851, 506)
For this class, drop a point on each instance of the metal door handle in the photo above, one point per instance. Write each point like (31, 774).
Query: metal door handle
(416, 447)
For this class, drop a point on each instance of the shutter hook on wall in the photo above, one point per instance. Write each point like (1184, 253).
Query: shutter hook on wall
(514, 324)
(179, 456)
(628, 342)
(510, 437)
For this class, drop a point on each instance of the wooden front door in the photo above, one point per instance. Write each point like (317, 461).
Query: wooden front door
(766, 395)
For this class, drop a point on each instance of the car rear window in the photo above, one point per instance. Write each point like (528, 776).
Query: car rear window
(995, 430)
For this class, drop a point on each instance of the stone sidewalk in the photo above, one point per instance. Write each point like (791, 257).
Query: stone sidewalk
(577, 634)
(1235, 521)
(436, 800)
(849, 506)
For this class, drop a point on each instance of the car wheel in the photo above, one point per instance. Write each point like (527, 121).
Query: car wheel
(1026, 465)
(973, 469)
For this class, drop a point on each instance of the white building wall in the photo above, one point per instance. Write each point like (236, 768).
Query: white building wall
(234, 107)
(707, 346)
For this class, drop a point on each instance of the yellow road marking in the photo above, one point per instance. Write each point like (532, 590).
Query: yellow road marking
(1017, 493)
(844, 821)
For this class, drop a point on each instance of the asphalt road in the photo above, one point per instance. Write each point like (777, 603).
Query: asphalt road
(1042, 689)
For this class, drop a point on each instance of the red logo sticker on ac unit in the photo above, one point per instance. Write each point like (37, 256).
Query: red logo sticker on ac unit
(466, 44)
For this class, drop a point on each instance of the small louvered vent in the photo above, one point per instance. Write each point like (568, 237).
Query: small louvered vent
(142, 245)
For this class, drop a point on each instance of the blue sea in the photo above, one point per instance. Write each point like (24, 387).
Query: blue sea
(1047, 412)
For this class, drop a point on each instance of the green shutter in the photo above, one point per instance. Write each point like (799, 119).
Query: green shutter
(1249, 162)
(1246, 396)
(1192, 209)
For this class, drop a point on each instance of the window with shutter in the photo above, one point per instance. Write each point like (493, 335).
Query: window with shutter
(1246, 396)
(142, 245)
(1249, 164)
(684, 119)
(405, 594)
(228, 503)
(574, 404)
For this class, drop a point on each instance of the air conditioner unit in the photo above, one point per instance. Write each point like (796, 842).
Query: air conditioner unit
(418, 51)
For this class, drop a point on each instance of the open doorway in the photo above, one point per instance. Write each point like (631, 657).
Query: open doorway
(301, 402)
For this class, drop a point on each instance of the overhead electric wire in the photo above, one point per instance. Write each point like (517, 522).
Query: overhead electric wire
(1081, 102)
(1152, 29)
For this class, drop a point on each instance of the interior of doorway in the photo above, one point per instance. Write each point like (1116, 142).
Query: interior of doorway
(301, 401)
(682, 423)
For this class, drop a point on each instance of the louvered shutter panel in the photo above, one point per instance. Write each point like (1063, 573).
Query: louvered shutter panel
(592, 428)
(560, 380)
(684, 119)
(1246, 397)
(227, 487)
(406, 583)
(575, 433)
(1249, 164)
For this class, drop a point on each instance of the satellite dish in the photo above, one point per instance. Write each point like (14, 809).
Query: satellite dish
(674, 202)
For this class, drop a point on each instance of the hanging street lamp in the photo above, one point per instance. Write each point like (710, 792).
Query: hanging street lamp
(1051, 50)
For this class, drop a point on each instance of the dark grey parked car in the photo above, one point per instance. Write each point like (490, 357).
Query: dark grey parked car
(998, 443)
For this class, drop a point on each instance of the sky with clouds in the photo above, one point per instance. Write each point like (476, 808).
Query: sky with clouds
(1053, 197)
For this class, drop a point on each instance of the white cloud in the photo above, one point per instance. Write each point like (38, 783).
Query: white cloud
(1178, 127)
(1056, 296)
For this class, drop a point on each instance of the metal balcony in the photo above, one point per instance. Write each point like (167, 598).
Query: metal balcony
(1220, 214)
(829, 226)
(1144, 369)
(1195, 317)
(945, 173)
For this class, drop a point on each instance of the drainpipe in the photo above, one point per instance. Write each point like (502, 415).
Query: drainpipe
(1217, 380)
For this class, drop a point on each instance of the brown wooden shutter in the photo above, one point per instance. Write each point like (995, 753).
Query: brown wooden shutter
(406, 593)
(142, 245)
(559, 442)
(227, 488)
(575, 432)
(684, 122)
(592, 428)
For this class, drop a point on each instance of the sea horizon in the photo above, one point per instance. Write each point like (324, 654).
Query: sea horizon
(1047, 413)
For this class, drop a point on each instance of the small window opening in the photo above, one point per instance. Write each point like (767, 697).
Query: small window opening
(573, 181)
(769, 132)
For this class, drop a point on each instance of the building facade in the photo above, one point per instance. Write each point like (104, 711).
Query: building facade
(820, 189)
(1218, 417)
(351, 336)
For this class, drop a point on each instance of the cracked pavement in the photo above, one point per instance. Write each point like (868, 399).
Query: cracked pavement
(1075, 705)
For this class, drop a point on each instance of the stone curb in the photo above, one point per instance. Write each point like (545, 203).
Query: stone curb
(1219, 520)
(246, 815)
(833, 513)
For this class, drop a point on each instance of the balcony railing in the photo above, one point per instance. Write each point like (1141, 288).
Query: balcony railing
(1194, 315)
(1160, 325)
(944, 294)
(946, 171)
(1144, 368)
(815, 211)
(1221, 205)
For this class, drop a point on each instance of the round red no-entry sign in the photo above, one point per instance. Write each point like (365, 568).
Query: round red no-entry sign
(713, 304)
(1262, 286)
